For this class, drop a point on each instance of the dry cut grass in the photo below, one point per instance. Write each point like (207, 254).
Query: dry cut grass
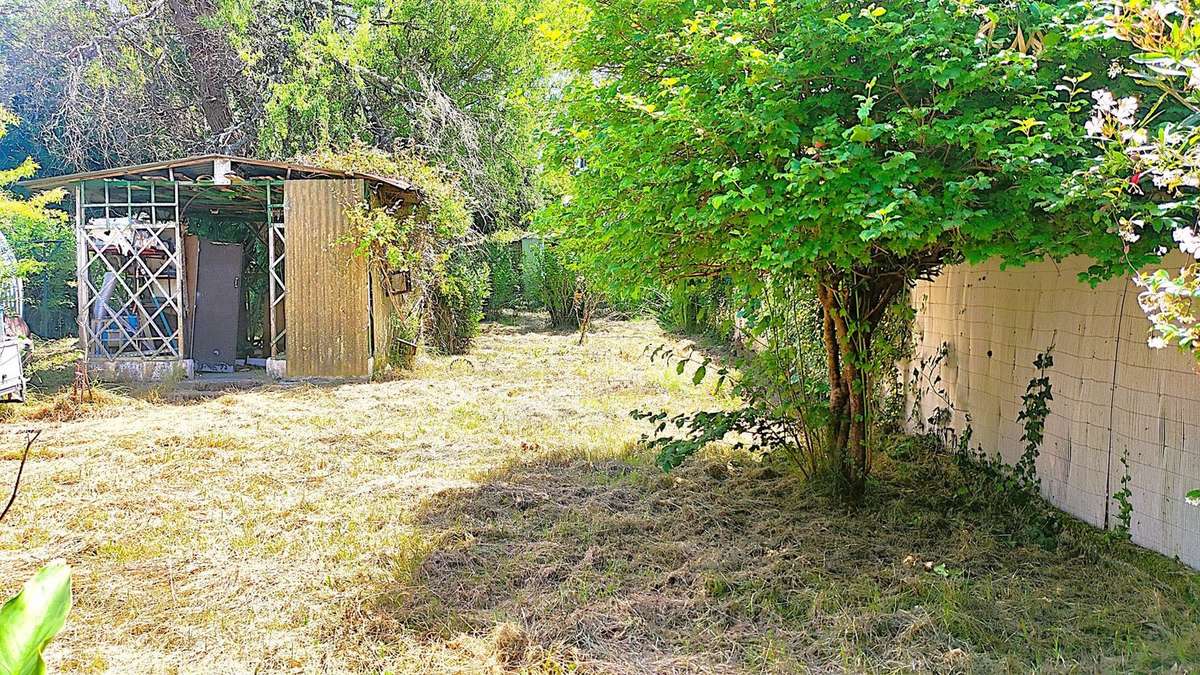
(494, 514)
(50, 371)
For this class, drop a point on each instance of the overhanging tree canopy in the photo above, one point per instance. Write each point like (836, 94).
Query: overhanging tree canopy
(855, 146)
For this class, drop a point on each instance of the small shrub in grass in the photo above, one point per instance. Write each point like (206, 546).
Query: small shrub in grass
(554, 285)
(558, 286)
(696, 306)
(457, 303)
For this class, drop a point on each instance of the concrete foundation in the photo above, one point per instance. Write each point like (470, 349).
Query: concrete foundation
(277, 368)
(140, 370)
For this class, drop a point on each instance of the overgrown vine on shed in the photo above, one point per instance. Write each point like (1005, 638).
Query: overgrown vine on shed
(422, 239)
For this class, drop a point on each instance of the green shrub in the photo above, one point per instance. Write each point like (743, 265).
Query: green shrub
(555, 285)
(697, 307)
(504, 262)
(456, 304)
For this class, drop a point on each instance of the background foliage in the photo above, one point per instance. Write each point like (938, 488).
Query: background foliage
(456, 82)
(448, 91)
(39, 235)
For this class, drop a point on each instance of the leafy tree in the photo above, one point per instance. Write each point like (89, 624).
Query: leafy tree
(123, 82)
(853, 147)
(30, 225)
(457, 82)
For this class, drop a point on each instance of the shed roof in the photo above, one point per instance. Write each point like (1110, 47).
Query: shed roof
(203, 167)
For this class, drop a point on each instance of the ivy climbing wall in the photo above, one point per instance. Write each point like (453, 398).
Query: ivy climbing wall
(1112, 394)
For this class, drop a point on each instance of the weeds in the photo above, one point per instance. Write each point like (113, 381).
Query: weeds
(991, 483)
(1035, 408)
(1124, 499)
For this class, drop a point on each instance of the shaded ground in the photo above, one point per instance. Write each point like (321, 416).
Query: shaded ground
(51, 368)
(493, 513)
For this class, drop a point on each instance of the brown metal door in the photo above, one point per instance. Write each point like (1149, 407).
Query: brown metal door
(327, 287)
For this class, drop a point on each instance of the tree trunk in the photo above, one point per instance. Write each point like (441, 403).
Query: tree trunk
(207, 53)
(853, 306)
(838, 428)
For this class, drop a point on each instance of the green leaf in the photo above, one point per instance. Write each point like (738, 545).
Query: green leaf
(680, 367)
(698, 376)
(860, 134)
(30, 619)
(1193, 497)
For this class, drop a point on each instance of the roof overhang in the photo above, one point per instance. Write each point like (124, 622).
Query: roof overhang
(215, 168)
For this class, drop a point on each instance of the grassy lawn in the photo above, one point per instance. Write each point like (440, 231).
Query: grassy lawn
(494, 513)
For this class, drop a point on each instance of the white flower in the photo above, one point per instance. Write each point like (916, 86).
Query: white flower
(1167, 179)
(1128, 229)
(1156, 342)
(1164, 9)
(1126, 107)
(1188, 240)
(1095, 126)
(1104, 99)
(1161, 250)
(1134, 136)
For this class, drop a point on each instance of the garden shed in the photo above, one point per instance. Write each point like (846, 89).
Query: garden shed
(225, 264)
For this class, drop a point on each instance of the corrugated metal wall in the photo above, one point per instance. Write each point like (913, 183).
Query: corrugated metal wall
(328, 308)
(381, 318)
(1111, 391)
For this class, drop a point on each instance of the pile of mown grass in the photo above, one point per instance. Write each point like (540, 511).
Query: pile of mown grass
(729, 565)
(50, 372)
